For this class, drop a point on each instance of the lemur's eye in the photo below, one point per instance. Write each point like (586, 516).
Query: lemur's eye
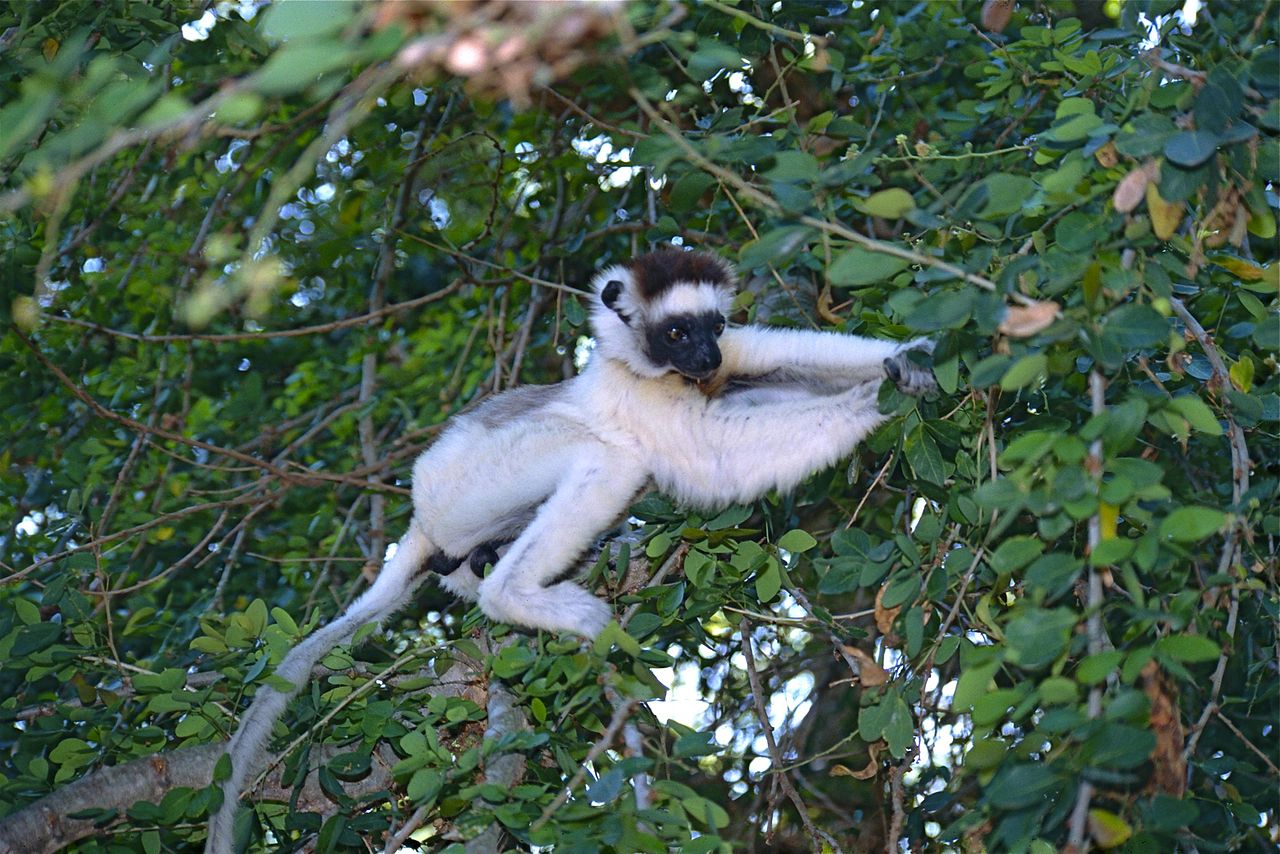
(676, 333)
(719, 327)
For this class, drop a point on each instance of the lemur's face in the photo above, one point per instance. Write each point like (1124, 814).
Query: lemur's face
(673, 303)
(686, 342)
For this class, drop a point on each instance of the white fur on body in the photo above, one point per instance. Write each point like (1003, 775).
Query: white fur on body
(557, 465)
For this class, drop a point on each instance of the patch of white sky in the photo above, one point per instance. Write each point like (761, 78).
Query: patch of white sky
(687, 683)
(1186, 18)
(199, 29)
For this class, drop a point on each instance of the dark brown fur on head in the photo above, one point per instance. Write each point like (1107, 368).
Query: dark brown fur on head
(657, 271)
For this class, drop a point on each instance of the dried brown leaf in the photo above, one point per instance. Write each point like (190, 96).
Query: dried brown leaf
(1129, 191)
(1107, 156)
(1023, 321)
(866, 772)
(868, 671)
(885, 617)
(1168, 767)
(996, 15)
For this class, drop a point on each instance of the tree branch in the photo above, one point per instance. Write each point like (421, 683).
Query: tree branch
(1096, 631)
(47, 825)
(817, 836)
(1240, 464)
(359, 320)
(501, 769)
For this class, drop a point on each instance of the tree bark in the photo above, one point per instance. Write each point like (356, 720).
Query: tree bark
(46, 825)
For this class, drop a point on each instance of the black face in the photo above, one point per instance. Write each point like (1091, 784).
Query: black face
(687, 342)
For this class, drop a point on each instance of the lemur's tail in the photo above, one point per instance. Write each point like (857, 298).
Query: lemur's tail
(400, 576)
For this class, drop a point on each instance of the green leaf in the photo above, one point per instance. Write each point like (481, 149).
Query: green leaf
(35, 637)
(769, 581)
(303, 19)
(985, 754)
(1015, 553)
(1019, 786)
(797, 540)
(284, 621)
(1188, 648)
(695, 744)
(512, 661)
(1190, 148)
(168, 108)
(1135, 325)
(974, 682)
(924, 457)
(1074, 129)
(256, 613)
(240, 108)
(331, 833)
(706, 812)
(773, 247)
(1025, 371)
(607, 786)
(698, 567)
(222, 769)
(858, 266)
(899, 727)
(889, 204)
(1189, 524)
(73, 752)
(712, 56)
(945, 310)
(1036, 636)
(1058, 691)
(1197, 413)
(1094, 668)
(1005, 194)
(793, 166)
(298, 65)
(901, 589)
(689, 189)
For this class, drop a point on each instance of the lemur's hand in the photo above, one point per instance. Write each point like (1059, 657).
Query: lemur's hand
(908, 375)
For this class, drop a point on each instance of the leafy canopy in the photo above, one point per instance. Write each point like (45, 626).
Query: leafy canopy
(254, 258)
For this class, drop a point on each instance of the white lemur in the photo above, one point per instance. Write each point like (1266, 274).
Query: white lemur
(670, 399)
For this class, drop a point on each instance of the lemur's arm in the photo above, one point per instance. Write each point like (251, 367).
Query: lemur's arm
(797, 354)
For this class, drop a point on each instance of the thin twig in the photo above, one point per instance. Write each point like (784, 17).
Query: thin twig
(898, 816)
(1094, 627)
(295, 476)
(620, 715)
(766, 201)
(1271, 766)
(359, 320)
(396, 839)
(457, 253)
(816, 835)
(1240, 465)
(753, 21)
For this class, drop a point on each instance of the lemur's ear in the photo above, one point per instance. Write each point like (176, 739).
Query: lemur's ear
(610, 294)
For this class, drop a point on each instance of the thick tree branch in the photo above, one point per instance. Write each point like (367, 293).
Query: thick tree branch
(501, 769)
(47, 825)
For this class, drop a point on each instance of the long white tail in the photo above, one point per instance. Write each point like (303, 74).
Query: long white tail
(399, 577)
